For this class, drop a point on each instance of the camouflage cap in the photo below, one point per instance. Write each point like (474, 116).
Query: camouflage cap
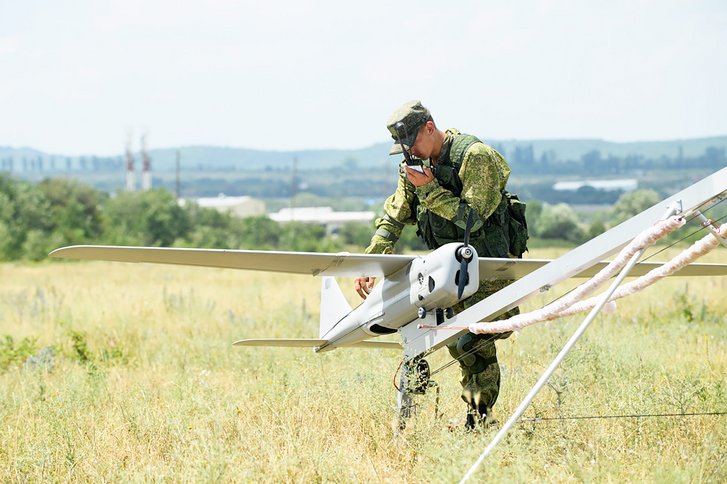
(405, 123)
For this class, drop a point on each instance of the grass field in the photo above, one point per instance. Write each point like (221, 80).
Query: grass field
(114, 372)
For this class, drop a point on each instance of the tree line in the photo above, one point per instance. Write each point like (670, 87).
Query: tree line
(594, 163)
(39, 163)
(521, 157)
(37, 218)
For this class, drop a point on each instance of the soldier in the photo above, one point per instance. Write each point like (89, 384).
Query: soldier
(458, 173)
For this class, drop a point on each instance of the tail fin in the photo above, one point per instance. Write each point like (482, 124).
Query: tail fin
(333, 305)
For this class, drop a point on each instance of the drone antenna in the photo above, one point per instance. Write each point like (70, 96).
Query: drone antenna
(398, 126)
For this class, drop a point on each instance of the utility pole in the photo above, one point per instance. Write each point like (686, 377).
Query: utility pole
(293, 188)
(176, 174)
(129, 165)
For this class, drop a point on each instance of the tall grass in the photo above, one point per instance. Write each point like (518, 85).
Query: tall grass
(122, 371)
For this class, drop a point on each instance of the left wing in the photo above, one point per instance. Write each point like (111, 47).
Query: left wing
(312, 263)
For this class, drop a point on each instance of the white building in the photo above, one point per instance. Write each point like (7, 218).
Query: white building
(625, 184)
(322, 216)
(237, 206)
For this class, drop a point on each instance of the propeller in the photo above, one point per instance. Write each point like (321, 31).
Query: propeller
(465, 255)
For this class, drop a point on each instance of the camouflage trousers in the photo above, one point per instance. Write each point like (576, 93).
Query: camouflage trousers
(477, 355)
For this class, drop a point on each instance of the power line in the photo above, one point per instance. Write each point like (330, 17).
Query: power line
(634, 415)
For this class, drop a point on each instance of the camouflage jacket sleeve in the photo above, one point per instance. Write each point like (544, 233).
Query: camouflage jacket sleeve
(484, 175)
(398, 212)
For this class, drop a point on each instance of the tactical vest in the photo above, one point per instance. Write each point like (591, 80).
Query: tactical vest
(503, 232)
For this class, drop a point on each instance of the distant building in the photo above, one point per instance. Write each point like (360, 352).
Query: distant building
(237, 206)
(322, 216)
(625, 184)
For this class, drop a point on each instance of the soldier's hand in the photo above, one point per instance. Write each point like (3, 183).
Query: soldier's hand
(363, 285)
(418, 178)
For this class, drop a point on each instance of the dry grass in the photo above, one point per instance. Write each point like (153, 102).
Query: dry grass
(145, 385)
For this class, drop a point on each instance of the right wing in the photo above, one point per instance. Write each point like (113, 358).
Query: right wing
(494, 268)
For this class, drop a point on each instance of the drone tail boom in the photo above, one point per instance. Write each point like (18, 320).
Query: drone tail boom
(282, 342)
(315, 343)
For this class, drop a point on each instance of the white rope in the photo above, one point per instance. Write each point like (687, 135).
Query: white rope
(686, 257)
(564, 305)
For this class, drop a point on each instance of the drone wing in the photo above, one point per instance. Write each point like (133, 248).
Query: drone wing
(312, 263)
(513, 269)
(342, 264)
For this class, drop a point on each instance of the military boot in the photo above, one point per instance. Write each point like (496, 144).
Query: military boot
(477, 418)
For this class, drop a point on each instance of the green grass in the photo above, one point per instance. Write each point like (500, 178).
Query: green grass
(143, 384)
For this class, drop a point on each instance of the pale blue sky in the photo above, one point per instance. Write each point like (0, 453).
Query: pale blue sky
(76, 75)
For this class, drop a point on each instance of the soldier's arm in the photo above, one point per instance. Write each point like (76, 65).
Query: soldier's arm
(484, 174)
(397, 213)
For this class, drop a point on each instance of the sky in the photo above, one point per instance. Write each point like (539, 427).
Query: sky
(77, 76)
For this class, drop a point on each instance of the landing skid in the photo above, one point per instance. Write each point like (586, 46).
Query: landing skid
(414, 380)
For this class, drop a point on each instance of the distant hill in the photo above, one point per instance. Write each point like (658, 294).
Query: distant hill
(561, 150)
(247, 159)
(565, 150)
(19, 153)
(164, 159)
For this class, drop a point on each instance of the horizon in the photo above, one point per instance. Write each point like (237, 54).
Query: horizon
(368, 146)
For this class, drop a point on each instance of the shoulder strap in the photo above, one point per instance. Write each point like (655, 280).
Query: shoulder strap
(460, 145)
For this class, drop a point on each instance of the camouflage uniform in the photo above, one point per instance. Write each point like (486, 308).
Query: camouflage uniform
(483, 173)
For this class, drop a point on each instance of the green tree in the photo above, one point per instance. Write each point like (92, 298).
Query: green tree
(36, 245)
(532, 214)
(74, 210)
(22, 208)
(210, 228)
(595, 229)
(298, 236)
(259, 233)
(144, 218)
(633, 203)
(356, 234)
(559, 222)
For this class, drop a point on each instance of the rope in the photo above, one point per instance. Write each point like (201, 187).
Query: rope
(697, 250)
(609, 306)
(669, 246)
(567, 306)
(555, 309)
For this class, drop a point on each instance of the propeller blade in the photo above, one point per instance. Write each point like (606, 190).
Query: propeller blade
(462, 277)
(468, 227)
(462, 282)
